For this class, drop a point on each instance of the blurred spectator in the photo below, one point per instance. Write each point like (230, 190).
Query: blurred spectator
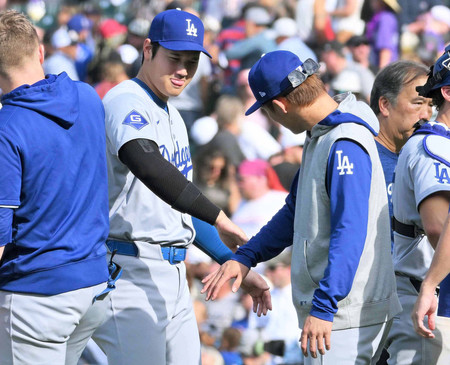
(64, 43)
(137, 33)
(304, 17)
(286, 37)
(215, 177)
(86, 44)
(346, 19)
(287, 162)
(252, 348)
(383, 32)
(359, 47)
(245, 94)
(222, 311)
(228, 113)
(432, 29)
(202, 131)
(262, 193)
(112, 74)
(113, 34)
(347, 81)
(226, 12)
(336, 62)
(241, 139)
(211, 356)
(229, 344)
(409, 13)
(322, 24)
(258, 40)
(215, 81)
(281, 333)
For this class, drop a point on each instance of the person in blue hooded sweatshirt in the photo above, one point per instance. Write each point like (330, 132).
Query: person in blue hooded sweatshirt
(53, 205)
(336, 218)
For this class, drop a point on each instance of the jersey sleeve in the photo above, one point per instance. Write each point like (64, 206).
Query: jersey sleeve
(11, 168)
(349, 173)
(129, 117)
(429, 175)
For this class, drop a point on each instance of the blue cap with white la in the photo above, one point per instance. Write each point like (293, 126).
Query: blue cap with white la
(277, 72)
(178, 30)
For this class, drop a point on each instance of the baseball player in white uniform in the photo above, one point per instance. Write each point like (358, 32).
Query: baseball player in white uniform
(421, 197)
(152, 198)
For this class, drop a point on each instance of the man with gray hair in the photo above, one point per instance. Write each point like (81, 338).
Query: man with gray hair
(398, 107)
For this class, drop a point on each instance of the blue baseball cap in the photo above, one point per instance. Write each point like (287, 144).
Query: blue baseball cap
(277, 72)
(439, 75)
(178, 30)
(79, 22)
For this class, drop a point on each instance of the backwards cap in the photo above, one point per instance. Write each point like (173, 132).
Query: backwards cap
(438, 76)
(178, 30)
(275, 73)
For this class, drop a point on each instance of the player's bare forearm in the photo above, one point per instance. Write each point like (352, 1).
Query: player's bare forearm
(257, 288)
(229, 270)
(2, 248)
(229, 232)
(318, 332)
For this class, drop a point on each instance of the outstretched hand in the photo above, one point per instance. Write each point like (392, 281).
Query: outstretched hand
(426, 305)
(230, 233)
(257, 288)
(229, 270)
(251, 282)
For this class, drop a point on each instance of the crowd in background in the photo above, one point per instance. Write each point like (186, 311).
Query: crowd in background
(245, 165)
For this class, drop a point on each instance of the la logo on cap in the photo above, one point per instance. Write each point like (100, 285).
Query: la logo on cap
(191, 29)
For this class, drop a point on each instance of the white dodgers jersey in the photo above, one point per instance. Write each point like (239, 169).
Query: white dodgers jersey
(136, 213)
(417, 176)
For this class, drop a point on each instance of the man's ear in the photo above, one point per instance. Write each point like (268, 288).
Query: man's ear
(41, 52)
(147, 49)
(445, 91)
(383, 105)
(281, 103)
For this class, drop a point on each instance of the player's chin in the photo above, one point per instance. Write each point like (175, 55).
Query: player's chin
(175, 90)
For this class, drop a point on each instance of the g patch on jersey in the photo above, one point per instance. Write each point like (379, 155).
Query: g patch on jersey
(135, 120)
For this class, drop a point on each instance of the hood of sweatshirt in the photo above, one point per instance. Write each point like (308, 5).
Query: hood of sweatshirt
(55, 97)
(349, 110)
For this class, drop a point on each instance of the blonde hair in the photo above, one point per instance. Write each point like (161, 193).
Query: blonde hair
(18, 40)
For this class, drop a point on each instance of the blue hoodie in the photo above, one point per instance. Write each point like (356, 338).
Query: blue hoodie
(54, 181)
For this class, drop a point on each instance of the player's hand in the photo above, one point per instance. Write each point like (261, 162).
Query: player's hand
(426, 305)
(229, 270)
(316, 331)
(230, 233)
(257, 288)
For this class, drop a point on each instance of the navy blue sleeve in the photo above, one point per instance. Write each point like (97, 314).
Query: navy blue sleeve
(208, 240)
(6, 219)
(274, 237)
(349, 173)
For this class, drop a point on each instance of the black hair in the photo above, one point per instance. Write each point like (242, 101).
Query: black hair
(392, 79)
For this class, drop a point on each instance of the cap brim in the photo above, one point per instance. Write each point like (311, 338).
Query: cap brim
(183, 46)
(253, 108)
